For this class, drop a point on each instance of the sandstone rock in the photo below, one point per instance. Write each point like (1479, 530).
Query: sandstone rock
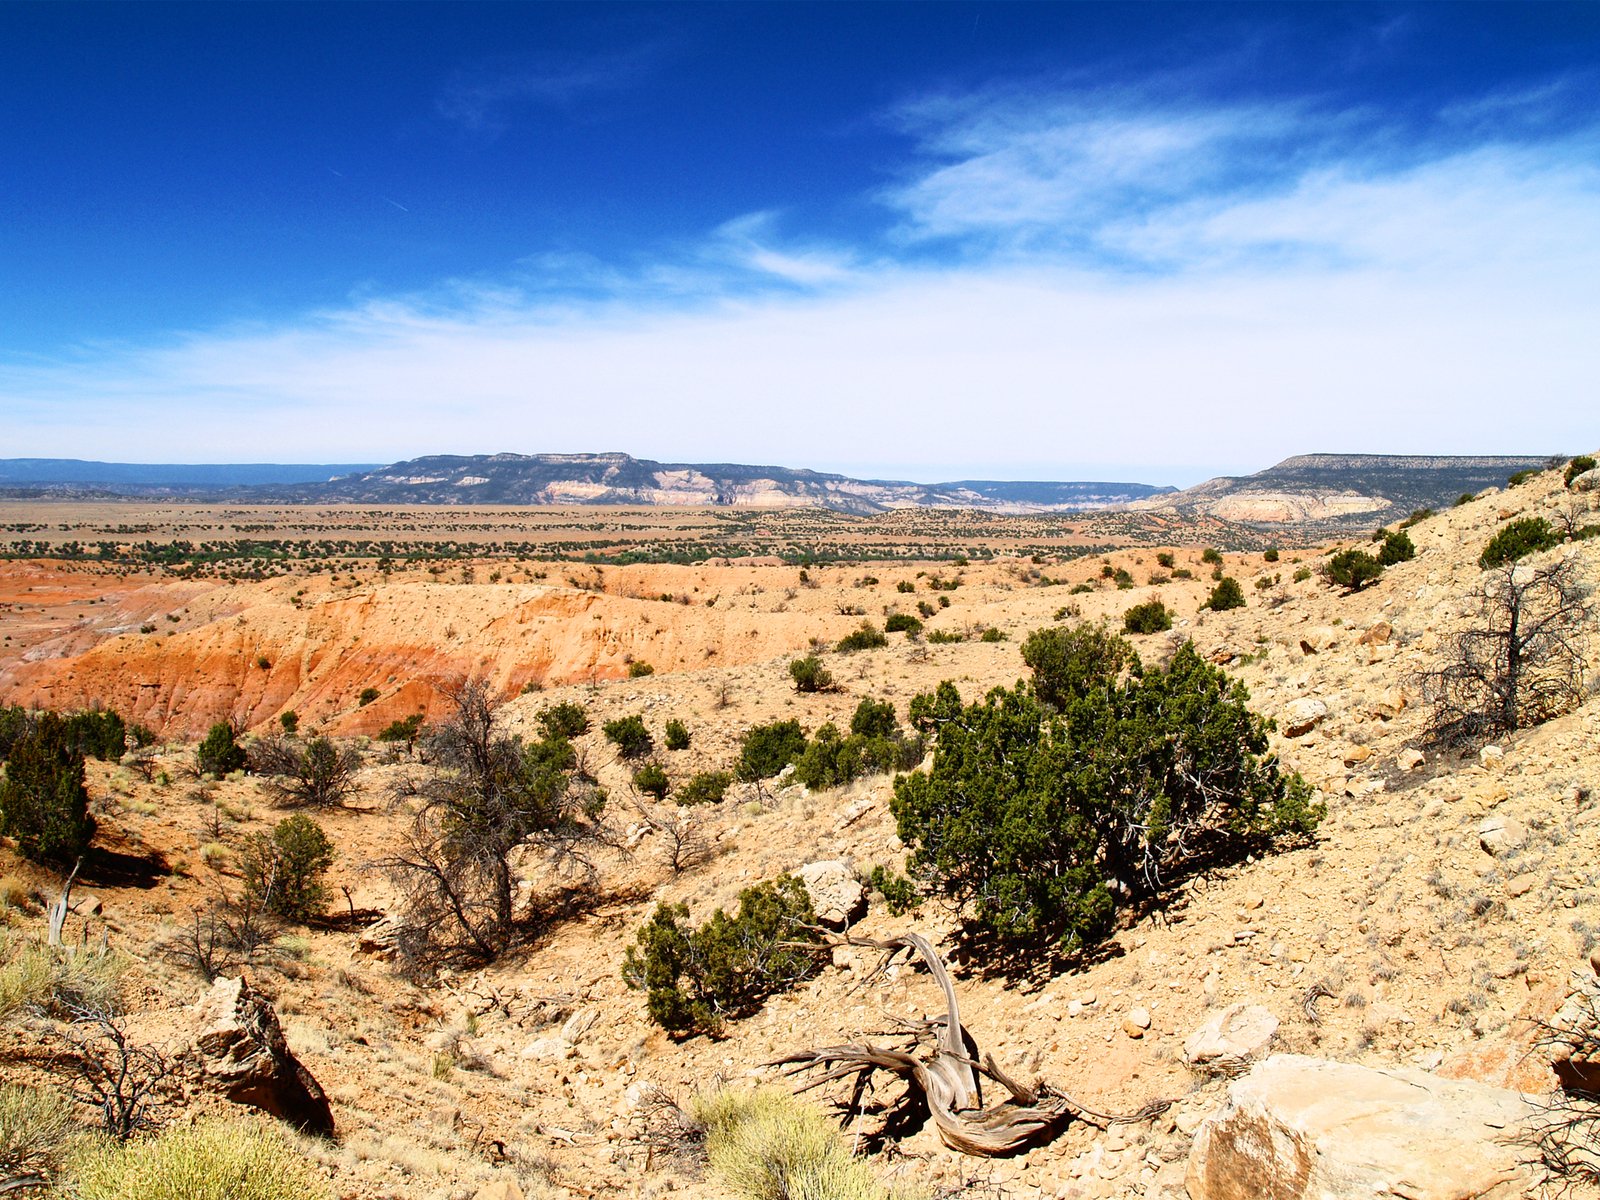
(1391, 702)
(1136, 1022)
(1410, 759)
(1378, 635)
(1497, 834)
(381, 939)
(499, 1189)
(549, 1049)
(1232, 1037)
(1588, 481)
(1301, 716)
(1575, 1046)
(244, 1055)
(1299, 1127)
(1357, 755)
(578, 1024)
(1491, 757)
(836, 893)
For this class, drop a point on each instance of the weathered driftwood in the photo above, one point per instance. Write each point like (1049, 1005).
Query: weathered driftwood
(951, 1078)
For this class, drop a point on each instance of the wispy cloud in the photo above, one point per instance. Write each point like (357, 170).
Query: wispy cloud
(483, 98)
(1131, 281)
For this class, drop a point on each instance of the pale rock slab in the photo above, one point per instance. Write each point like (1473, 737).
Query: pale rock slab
(1232, 1037)
(836, 894)
(1301, 716)
(1299, 1128)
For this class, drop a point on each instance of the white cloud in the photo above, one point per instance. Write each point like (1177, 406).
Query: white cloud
(1445, 304)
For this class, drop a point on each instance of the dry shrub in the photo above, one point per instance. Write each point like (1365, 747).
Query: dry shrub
(210, 1160)
(767, 1145)
(36, 1131)
(52, 980)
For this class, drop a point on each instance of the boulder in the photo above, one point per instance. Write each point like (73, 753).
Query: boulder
(1574, 1041)
(1297, 1127)
(381, 939)
(1588, 481)
(1231, 1039)
(244, 1055)
(1410, 759)
(836, 894)
(1302, 715)
(1498, 834)
(1378, 635)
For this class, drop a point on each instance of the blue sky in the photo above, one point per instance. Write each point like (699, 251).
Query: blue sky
(925, 241)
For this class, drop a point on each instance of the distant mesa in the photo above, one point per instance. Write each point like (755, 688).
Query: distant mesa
(1334, 490)
(564, 479)
(1342, 489)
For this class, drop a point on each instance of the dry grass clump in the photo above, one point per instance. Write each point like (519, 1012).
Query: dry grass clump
(210, 1160)
(767, 1145)
(36, 1131)
(46, 979)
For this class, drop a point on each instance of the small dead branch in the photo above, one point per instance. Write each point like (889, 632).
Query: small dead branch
(950, 1077)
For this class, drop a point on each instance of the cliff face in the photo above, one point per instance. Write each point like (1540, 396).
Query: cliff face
(247, 652)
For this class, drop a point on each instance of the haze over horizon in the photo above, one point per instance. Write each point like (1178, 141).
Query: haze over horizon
(1147, 242)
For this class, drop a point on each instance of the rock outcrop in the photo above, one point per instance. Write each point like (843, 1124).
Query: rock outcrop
(836, 894)
(1231, 1039)
(245, 1057)
(1298, 1127)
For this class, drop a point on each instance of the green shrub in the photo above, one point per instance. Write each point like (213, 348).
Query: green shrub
(220, 753)
(767, 749)
(905, 585)
(213, 1159)
(810, 675)
(1302, 574)
(1464, 498)
(1353, 569)
(283, 872)
(677, 735)
(696, 979)
(1517, 539)
(943, 637)
(629, 736)
(707, 787)
(652, 781)
(1418, 515)
(44, 804)
(1040, 820)
(565, 720)
(319, 773)
(1064, 659)
(1182, 573)
(638, 670)
(868, 637)
(992, 634)
(1122, 578)
(902, 623)
(1164, 558)
(1211, 556)
(1227, 594)
(769, 1145)
(289, 720)
(98, 733)
(831, 759)
(407, 730)
(1521, 477)
(899, 894)
(1584, 462)
(926, 609)
(873, 718)
(367, 696)
(1150, 617)
(1397, 548)
(1270, 554)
